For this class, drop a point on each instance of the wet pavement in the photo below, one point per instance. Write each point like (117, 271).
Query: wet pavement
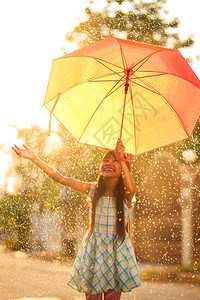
(28, 278)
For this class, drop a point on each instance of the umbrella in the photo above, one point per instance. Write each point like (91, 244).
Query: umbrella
(146, 95)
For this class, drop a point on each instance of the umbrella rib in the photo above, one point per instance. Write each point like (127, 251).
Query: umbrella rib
(175, 75)
(125, 65)
(145, 87)
(112, 91)
(164, 73)
(103, 80)
(96, 79)
(149, 76)
(92, 57)
(114, 72)
(145, 59)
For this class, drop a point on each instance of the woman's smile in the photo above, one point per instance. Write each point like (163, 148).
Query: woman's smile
(109, 169)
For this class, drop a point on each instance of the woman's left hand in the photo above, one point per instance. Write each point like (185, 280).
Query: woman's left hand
(119, 148)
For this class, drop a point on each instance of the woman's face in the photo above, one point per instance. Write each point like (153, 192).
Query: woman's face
(110, 167)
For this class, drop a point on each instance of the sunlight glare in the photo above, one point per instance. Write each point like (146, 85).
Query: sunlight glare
(54, 142)
(10, 185)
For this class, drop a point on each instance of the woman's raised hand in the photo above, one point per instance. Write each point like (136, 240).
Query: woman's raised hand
(26, 152)
(119, 151)
(119, 148)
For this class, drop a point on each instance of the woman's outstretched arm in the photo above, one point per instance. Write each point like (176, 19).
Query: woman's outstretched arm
(28, 153)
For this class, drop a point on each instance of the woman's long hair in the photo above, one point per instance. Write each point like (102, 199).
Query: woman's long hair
(119, 193)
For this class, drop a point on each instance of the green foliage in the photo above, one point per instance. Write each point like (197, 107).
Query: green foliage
(144, 22)
(15, 221)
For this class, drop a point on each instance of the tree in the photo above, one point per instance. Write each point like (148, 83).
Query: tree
(15, 221)
(133, 20)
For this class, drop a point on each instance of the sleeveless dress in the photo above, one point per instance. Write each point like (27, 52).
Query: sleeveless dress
(101, 264)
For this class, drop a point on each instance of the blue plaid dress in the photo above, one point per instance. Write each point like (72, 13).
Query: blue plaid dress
(100, 264)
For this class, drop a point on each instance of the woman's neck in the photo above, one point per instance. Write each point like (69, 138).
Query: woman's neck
(110, 185)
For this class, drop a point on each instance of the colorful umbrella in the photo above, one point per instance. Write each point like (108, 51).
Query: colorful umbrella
(148, 96)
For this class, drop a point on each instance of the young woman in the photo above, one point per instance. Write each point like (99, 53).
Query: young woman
(105, 263)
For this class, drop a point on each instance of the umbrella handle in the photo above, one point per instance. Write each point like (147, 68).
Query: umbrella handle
(124, 159)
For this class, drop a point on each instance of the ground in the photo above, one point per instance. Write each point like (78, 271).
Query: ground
(24, 277)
